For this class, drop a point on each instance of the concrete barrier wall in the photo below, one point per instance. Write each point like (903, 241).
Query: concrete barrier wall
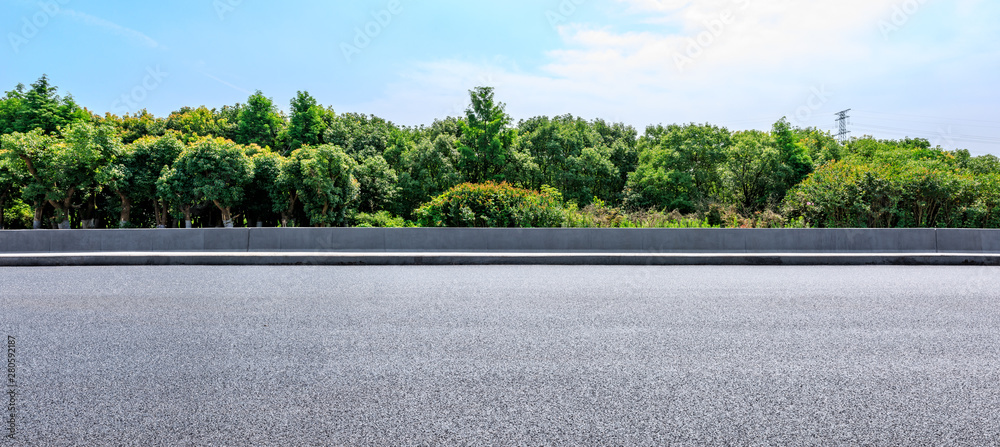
(504, 240)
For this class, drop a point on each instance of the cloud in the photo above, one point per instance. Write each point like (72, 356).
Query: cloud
(131, 35)
(744, 63)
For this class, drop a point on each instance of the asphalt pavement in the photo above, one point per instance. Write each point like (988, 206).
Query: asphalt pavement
(502, 355)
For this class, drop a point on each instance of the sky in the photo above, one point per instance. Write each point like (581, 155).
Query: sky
(918, 68)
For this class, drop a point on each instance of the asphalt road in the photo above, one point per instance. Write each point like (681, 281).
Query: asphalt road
(511, 355)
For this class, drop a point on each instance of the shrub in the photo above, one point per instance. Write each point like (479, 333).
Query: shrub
(493, 205)
(381, 219)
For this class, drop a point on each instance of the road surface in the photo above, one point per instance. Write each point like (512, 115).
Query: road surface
(502, 355)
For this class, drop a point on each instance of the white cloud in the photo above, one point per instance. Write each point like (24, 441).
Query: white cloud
(131, 35)
(744, 62)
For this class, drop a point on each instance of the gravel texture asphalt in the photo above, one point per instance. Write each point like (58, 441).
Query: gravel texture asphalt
(503, 355)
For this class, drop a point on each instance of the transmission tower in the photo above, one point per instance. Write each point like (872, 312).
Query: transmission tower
(843, 119)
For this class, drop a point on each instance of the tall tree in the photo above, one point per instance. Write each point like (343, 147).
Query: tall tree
(793, 164)
(43, 108)
(326, 184)
(307, 124)
(259, 122)
(487, 142)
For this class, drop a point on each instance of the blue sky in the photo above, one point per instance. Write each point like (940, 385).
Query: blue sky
(924, 68)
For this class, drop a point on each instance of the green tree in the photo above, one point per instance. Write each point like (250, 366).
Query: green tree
(678, 167)
(136, 172)
(793, 163)
(308, 122)
(326, 184)
(211, 170)
(749, 170)
(40, 107)
(486, 142)
(377, 183)
(429, 169)
(61, 170)
(259, 200)
(259, 122)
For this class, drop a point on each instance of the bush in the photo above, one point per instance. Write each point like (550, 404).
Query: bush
(493, 205)
(381, 219)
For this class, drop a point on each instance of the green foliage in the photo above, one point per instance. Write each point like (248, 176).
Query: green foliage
(194, 124)
(493, 205)
(749, 170)
(381, 219)
(308, 122)
(133, 127)
(599, 215)
(323, 177)
(259, 122)
(262, 195)
(886, 185)
(137, 170)
(428, 169)
(363, 136)
(678, 168)
(211, 170)
(61, 169)
(793, 162)
(40, 107)
(486, 141)
(377, 183)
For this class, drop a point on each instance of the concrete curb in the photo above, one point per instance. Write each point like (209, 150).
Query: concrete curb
(480, 258)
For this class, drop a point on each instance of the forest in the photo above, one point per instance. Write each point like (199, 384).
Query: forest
(252, 164)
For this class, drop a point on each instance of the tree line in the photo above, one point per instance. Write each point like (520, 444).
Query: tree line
(252, 165)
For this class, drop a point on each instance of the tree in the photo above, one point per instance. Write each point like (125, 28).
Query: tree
(362, 136)
(61, 170)
(793, 163)
(487, 142)
(194, 124)
(308, 122)
(377, 183)
(259, 200)
(678, 167)
(493, 205)
(749, 169)
(326, 184)
(135, 126)
(41, 107)
(212, 170)
(136, 171)
(259, 122)
(11, 180)
(429, 169)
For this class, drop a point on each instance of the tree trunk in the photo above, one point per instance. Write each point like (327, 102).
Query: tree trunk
(187, 216)
(39, 214)
(227, 214)
(88, 216)
(126, 214)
